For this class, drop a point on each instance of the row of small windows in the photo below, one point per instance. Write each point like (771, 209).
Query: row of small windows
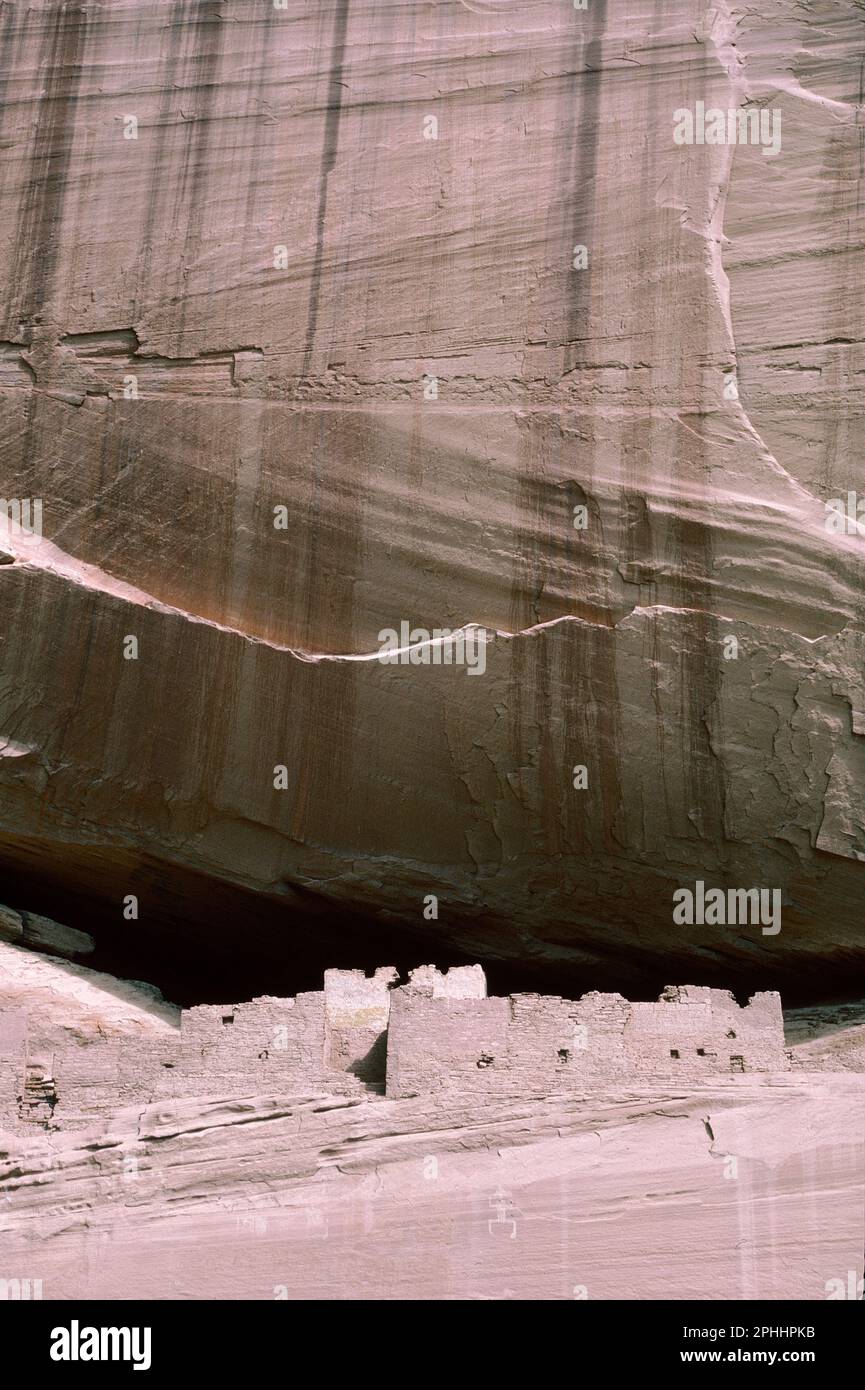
(737, 1063)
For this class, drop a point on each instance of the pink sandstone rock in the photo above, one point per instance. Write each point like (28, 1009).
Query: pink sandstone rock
(322, 323)
(242, 309)
(751, 1188)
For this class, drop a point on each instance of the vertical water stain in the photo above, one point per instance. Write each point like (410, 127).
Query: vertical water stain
(38, 240)
(333, 116)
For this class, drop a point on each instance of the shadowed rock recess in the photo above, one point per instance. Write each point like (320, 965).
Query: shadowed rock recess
(322, 322)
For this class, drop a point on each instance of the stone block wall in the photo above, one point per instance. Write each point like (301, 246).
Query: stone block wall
(64, 1079)
(531, 1044)
(13, 1035)
(439, 1034)
(243, 1049)
(326, 1041)
(356, 1013)
(693, 1032)
(460, 982)
(444, 1045)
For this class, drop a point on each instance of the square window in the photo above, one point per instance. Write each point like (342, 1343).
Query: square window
(673, 1052)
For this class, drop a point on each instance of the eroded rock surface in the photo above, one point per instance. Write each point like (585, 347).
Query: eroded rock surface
(747, 1190)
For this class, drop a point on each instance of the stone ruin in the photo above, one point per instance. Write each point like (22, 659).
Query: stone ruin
(439, 1034)
(527, 1044)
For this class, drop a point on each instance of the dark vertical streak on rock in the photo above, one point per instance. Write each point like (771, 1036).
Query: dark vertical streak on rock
(327, 700)
(861, 134)
(699, 684)
(572, 679)
(38, 240)
(699, 675)
(602, 751)
(328, 159)
(262, 44)
(206, 35)
(321, 774)
(578, 174)
(9, 64)
(158, 182)
(843, 315)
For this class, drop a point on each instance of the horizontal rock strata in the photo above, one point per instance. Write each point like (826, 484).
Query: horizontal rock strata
(748, 1190)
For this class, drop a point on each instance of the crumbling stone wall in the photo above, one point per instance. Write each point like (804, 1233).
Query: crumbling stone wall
(319, 1041)
(356, 1013)
(267, 1044)
(459, 982)
(440, 1033)
(13, 1037)
(535, 1044)
(693, 1032)
(57, 1077)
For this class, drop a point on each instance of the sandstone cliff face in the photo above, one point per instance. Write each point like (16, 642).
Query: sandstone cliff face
(242, 276)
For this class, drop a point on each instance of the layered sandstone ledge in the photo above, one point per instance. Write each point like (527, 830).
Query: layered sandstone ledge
(748, 1189)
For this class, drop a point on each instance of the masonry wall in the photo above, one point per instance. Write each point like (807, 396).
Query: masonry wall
(57, 1077)
(356, 1008)
(246, 1048)
(440, 1034)
(330, 1041)
(13, 1034)
(532, 1044)
(459, 982)
(710, 1032)
(98, 1077)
